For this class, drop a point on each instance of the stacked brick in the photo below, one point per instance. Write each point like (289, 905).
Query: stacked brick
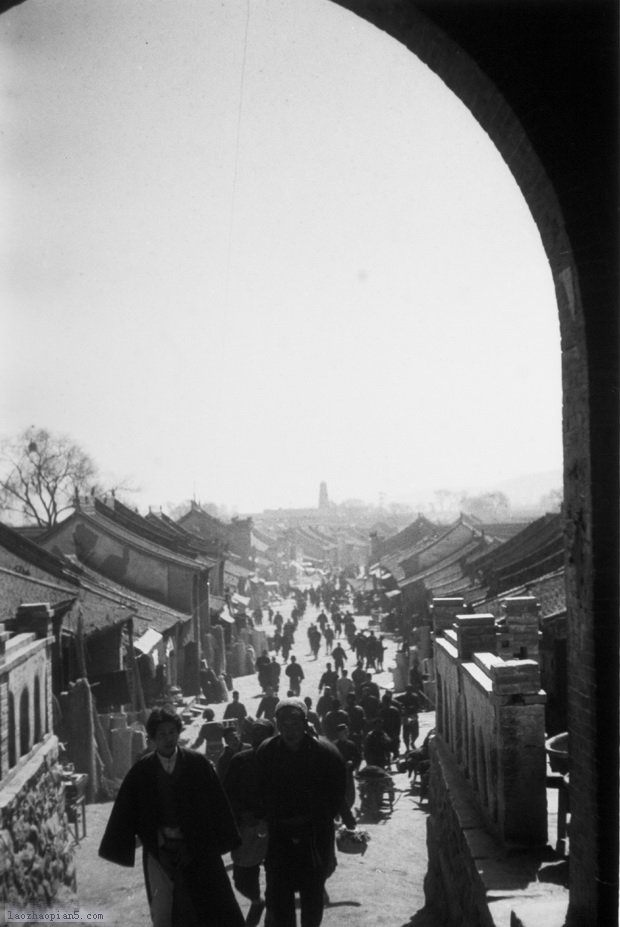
(519, 633)
(475, 634)
(444, 611)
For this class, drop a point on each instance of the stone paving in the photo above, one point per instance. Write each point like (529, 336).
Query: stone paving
(383, 888)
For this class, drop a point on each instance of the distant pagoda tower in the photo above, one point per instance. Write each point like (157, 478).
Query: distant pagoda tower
(323, 498)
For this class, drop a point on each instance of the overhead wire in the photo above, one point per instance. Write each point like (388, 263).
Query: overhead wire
(235, 175)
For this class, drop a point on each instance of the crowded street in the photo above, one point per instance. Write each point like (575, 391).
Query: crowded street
(382, 886)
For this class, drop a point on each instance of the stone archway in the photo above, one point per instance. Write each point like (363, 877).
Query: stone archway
(541, 80)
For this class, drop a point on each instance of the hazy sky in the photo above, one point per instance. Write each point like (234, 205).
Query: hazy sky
(250, 245)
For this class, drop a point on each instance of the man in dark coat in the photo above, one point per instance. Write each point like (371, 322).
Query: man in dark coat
(377, 745)
(172, 800)
(302, 781)
(262, 668)
(329, 679)
(357, 720)
(267, 705)
(390, 715)
(241, 785)
(295, 675)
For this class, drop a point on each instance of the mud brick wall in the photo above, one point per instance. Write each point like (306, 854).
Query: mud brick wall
(36, 849)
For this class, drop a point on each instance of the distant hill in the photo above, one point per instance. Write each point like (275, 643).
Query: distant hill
(524, 493)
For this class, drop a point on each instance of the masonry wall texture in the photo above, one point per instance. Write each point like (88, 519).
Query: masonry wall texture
(36, 849)
(491, 714)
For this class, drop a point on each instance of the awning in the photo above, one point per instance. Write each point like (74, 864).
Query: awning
(149, 640)
(225, 616)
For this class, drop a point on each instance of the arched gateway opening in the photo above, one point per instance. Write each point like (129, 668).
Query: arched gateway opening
(540, 79)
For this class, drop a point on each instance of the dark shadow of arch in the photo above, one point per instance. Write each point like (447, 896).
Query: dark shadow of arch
(24, 722)
(38, 732)
(12, 734)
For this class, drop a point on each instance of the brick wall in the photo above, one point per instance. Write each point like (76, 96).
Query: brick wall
(490, 713)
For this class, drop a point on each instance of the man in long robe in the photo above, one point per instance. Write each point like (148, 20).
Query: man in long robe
(173, 803)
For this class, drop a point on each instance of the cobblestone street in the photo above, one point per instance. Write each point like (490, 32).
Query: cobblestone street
(383, 888)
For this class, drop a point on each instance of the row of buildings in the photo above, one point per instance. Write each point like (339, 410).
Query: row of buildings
(134, 603)
(99, 615)
(478, 568)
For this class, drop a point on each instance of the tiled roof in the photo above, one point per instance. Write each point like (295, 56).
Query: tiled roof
(447, 571)
(123, 533)
(105, 602)
(28, 550)
(151, 529)
(409, 537)
(536, 551)
(503, 531)
(201, 523)
(549, 590)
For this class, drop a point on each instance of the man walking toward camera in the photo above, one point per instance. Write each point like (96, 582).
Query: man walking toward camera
(302, 782)
(173, 802)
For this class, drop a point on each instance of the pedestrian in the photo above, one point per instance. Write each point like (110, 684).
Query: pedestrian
(324, 704)
(262, 668)
(333, 719)
(390, 715)
(339, 657)
(372, 686)
(273, 672)
(287, 642)
(235, 710)
(241, 786)
(360, 646)
(328, 634)
(381, 648)
(344, 686)
(314, 722)
(371, 651)
(233, 745)
(267, 705)
(409, 706)
(314, 636)
(359, 677)
(302, 781)
(295, 674)
(370, 703)
(357, 720)
(329, 678)
(172, 802)
(211, 733)
(277, 642)
(352, 756)
(377, 745)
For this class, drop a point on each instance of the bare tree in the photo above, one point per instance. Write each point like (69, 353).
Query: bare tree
(489, 506)
(40, 474)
